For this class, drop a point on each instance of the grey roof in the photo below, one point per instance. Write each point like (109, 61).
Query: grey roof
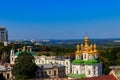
(2, 68)
(53, 57)
(2, 28)
(50, 65)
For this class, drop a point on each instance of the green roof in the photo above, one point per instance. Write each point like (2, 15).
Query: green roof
(78, 61)
(17, 53)
(76, 75)
(88, 62)
(32, 53)
(93, 61)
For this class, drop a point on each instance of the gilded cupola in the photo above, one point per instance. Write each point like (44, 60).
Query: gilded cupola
(95, 50)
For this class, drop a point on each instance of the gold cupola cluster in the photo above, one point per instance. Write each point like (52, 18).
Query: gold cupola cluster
(86, 48)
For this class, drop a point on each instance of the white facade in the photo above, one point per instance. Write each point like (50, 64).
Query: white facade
(12, 57)
(60, 60)
(90, 65)
(47, 60)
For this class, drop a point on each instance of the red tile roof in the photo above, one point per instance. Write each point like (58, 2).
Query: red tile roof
(105, 77)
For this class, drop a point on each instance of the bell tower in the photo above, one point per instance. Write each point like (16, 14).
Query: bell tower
(12, 56)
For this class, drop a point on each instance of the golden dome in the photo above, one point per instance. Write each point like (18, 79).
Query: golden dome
(86, 40)
(86, 37)
(95, 50)
(78, 48)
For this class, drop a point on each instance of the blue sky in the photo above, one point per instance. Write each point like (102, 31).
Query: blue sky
(60, 19)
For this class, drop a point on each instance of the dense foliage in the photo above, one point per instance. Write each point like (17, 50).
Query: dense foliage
(4, 52)
(24, 67)
(53, 50)
(110, 57)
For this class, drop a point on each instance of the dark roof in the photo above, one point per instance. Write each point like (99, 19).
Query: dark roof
(50, 65)
(105, 77)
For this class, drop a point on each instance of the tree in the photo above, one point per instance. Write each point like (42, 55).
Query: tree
(118, 59)
(2, 77)
(24, 67)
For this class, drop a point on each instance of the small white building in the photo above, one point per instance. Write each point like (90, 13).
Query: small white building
(44, 59)
(54, 59)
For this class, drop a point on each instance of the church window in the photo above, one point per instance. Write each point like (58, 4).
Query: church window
(85, 56)
(45, 72)
(94, 67)
(81, 56)
(66, 63)
(77, 72)
(42, 62)
(67, 71)
(49, 72)
(54, 73)
(94, 72)
(77, 57)
(63, 63)
(89, 72)
(12, 58)
(8, 76)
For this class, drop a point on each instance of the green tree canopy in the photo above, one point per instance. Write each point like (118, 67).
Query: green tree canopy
(24, 66)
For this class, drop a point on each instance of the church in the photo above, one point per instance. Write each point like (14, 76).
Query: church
(85, 64)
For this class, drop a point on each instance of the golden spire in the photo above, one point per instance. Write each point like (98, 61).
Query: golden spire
(95, 50)
(78, 48)
(30, 49)
(18, 50)
(91, 48)
(86, 40)
(23, 48)
(81, 46)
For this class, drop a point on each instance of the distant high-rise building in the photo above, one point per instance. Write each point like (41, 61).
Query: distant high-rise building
(3, 34)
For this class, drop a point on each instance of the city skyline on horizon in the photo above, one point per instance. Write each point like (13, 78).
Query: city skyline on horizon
(60, 19)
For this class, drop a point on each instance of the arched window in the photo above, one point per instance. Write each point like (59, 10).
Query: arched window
(45, 72)
(94, 72)
(12, 58)
(85, 56)
(89, 72)
(49, 72)
(81, 56)
(77, 72)
(8, 76)
(54, 73)
(94, 69)
(66, 63)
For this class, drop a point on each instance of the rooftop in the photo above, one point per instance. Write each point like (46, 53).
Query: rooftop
(88, 62)
(105, 77)
(50, 65)
(52, 57)
(2, 27)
